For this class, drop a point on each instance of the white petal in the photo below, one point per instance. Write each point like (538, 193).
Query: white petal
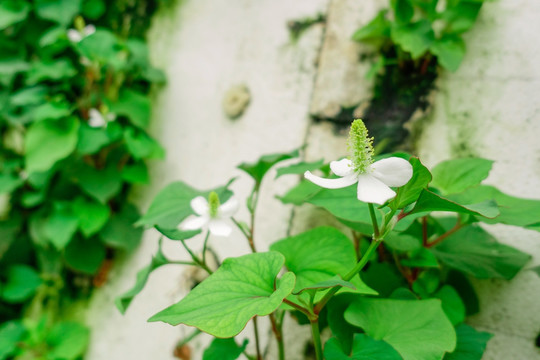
(96, 119)
(89, 30)
(200, 205)
(342, 167)
(228, 208)
(372, 190)
(219, 227)
(331, 183)
(73, 35)
(194, 222)
(393, 171)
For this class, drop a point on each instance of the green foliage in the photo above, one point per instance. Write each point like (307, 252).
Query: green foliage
(419, 30)
(408, 300)
(67, 177)
(364, 348)
(399, 322)
(240, 289)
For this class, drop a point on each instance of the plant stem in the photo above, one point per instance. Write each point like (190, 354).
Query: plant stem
(316, 339)
(204, 247)
(188, 338)
(257, 343)
(303, 310)
(277, 329)
(445, 235)
(196, 259)
(374, 220)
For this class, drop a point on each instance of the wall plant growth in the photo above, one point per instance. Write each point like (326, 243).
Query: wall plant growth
(411, 42)
(75, 81)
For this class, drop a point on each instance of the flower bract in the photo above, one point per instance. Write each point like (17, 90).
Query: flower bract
(374, 178)
(210, 213)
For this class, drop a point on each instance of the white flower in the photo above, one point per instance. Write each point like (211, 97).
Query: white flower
(97, 119)
(374, 184)
(75, 35)
(212, 214)
(374, 178)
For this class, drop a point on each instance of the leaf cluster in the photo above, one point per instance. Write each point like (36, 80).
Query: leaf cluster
(419, 30)
(64, 182)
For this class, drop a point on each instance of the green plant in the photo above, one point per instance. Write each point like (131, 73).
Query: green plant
(419, 30)
(74, 108)
(393, 285)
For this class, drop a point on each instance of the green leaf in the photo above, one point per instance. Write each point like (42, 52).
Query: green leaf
(91, 215)
(22, 283)
(49, 141)
(427, 283)
(50, 70)
(119, 232)
(299, 168)
(408, 193)
(299, 194)
(101, 46)
(334, 281)
(122, 302)
(61, 225)
(136, 173)
(421, 258)
(415, 38)
(93, 9)
(11, 332)
(429, 201)
(85, 255)
(258, 169)
(402, 322)
(142, 146)
(364, 348)
(461, 17)
(68, 341)
(453, 306)
(402, 242)
(172, 204)
(319, 255)
(474, 251)
(513, 210)
(8, 232)
(457, 175)
(403, 11)
(450, 51)
(471, 344)
(9, 183)
(91, 140)
(175, 234)
(240, 289)
(135, 106)
(100, 184)
(12, 12)
(377, 31)
(341, 329)
(60, 11)
(224, 349)
(53, 110)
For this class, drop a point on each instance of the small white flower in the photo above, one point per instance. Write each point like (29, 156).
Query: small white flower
(374, 178)
(75, 35)
(97, 119)
(212, 214)
(374, 184)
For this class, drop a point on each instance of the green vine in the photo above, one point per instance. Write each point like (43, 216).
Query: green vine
(75, 86)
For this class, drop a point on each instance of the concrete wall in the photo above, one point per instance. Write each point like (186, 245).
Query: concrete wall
(487, 109)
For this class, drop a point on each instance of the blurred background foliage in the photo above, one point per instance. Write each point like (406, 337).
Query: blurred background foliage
(75, 86)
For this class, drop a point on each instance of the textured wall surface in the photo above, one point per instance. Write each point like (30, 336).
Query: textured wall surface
(488, 108)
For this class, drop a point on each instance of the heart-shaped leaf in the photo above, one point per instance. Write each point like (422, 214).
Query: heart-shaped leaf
(240, 289)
